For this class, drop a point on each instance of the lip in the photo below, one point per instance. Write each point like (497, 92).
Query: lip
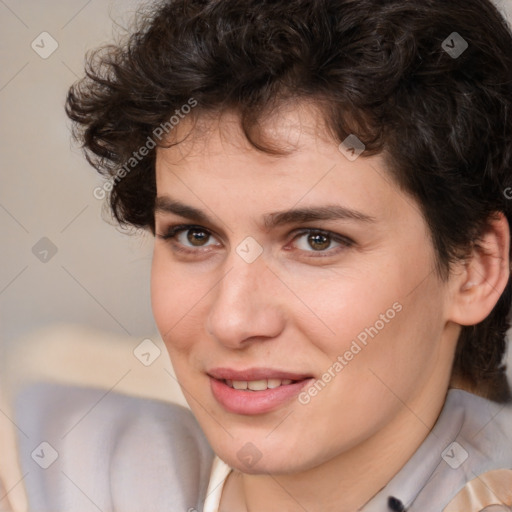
(254, 402)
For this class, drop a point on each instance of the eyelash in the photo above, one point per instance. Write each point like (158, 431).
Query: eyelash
(345, 242)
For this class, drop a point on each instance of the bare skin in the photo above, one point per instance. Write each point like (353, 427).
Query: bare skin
(302, 302)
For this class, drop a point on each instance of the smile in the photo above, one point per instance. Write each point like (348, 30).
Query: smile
(256, 396)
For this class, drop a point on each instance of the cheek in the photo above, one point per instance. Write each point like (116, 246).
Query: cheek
(387, 321)
(371, 367)
(162, 297)
(392, 349)
(347, 308)
(174, 299)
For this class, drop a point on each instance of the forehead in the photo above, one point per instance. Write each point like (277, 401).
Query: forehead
(212, 166)
(287, 130)
(297, 148)
(296, 144)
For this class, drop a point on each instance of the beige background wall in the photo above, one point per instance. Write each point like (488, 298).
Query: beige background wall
(98, 276)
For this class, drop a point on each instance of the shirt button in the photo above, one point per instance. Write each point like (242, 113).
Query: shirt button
(396, 505)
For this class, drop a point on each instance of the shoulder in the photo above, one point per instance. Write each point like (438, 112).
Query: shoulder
(485, 434)
(475, 460)
(87, 449)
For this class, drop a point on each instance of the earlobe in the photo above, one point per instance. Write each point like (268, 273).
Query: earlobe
(485, 274)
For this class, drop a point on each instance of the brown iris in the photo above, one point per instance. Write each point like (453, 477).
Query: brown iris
(318, 242)
(197, 237)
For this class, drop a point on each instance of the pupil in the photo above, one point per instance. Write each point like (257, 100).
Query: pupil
(197, 237)
(318, 241)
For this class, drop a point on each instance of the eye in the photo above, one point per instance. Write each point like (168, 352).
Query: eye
(195, 236)
(192, 239)
(189, 237)
(314, 240)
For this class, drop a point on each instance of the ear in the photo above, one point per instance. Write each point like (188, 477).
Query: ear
(483, 276)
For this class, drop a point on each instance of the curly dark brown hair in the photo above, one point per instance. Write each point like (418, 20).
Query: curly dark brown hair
(396, 73)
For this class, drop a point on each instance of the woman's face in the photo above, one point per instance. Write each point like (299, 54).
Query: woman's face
(311, 268)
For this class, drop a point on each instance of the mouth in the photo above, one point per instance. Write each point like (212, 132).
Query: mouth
(249, 393)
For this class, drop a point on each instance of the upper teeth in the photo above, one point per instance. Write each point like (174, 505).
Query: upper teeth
(258, 385)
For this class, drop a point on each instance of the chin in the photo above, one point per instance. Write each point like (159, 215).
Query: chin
(255, 457)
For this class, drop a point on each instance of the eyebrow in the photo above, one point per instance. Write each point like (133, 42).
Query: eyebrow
(165, 204)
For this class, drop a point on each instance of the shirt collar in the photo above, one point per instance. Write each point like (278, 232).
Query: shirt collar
(405, 486)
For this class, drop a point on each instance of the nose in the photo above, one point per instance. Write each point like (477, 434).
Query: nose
(245, 305)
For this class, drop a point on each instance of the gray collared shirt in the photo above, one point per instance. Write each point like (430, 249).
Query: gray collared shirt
(472, 436)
